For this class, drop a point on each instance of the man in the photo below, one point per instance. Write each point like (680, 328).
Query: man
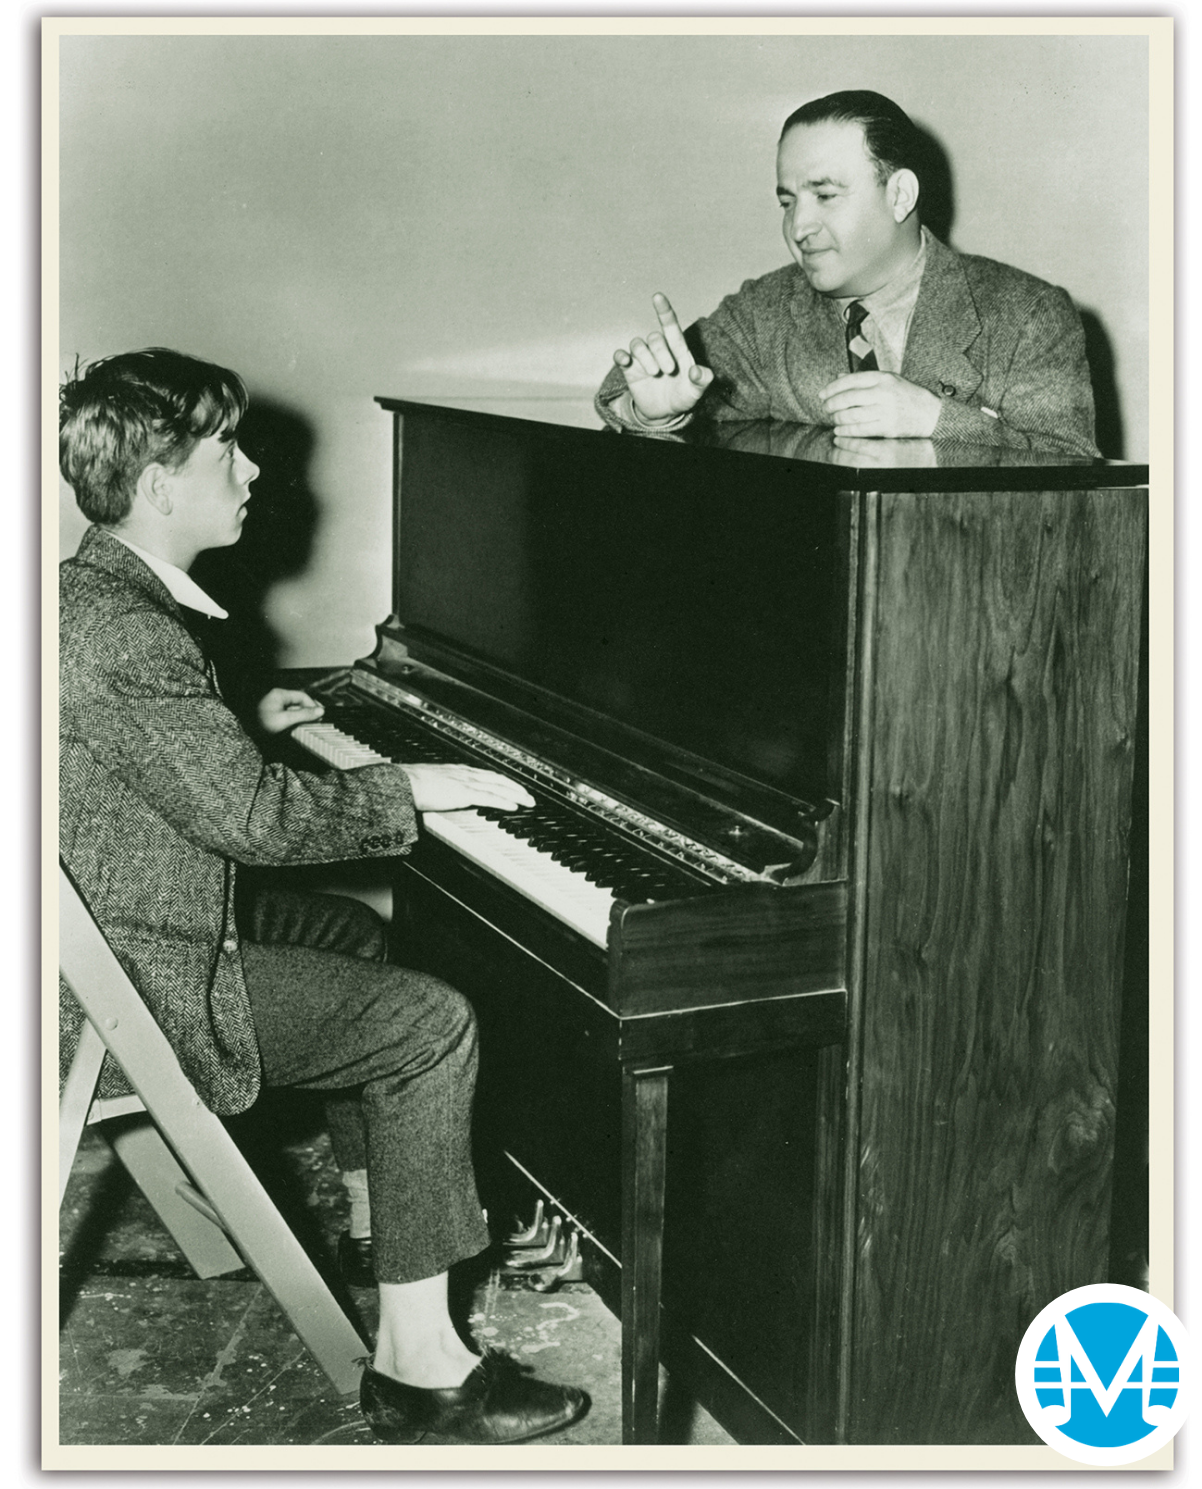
(163, 795)
(877, 329)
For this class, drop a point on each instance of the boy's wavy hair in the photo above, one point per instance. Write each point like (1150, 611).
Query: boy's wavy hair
(120, 414)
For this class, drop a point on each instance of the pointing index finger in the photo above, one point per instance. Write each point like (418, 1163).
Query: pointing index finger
(671, 328)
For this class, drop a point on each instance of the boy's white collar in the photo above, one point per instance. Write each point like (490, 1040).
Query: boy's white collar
(183, 587)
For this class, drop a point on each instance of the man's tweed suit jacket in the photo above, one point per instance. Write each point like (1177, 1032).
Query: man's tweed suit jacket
(983, 336)
(161, 792)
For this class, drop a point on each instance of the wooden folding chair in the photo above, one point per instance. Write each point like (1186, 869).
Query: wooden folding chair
(181, 1156)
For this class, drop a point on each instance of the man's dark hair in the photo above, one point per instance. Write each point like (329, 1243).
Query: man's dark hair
(889, 133)
(123, 413)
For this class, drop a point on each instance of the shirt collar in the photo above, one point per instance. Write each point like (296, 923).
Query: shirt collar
(184, 589)
(901, 290)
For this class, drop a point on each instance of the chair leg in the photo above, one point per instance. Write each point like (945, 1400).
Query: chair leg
(227, 1181)
(76, 1100)
(153, 1168)
(203, 1147)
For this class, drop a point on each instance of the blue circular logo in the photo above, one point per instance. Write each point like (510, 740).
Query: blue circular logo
(1103, 1374)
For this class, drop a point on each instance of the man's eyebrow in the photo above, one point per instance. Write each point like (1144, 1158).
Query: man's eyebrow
(811, 184)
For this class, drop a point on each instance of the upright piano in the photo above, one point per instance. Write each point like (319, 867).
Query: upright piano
(801, 986)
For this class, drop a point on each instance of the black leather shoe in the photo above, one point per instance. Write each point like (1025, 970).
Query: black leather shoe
(497, 1403)
(355, 1261)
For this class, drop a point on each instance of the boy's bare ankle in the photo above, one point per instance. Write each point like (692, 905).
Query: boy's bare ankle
(429, 1370)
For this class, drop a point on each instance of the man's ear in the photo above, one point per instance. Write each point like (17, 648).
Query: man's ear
(902, 194)
(154, 484)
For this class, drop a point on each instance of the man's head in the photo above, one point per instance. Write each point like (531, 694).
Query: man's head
(123, 414)
(846, 169)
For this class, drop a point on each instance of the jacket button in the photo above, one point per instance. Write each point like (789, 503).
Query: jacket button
(230, 945)
(948, 389)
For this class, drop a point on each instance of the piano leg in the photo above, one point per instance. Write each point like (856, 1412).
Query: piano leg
(644, 1143)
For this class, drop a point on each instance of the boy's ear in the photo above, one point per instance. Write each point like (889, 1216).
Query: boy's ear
(154, 484)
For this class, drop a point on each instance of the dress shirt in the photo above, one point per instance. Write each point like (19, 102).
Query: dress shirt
(184, 589)
(890, 311)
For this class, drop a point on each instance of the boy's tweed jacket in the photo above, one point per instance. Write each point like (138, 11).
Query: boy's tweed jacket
(160, 791)
(983, 336)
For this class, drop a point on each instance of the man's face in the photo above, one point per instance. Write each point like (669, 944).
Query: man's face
(210, 491)
(838, 222)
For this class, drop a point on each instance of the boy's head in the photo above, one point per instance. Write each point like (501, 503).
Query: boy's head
(123, 413)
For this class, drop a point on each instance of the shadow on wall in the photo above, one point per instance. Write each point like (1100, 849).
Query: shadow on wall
(276, 544)
(1108, 416)
(939, 211)
(934, 170)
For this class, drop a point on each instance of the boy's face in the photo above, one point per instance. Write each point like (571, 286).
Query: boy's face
(210, 491)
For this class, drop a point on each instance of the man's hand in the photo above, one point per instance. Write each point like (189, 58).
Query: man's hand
(663, 379)
(880, 405)
(284, 708)
(449, 788)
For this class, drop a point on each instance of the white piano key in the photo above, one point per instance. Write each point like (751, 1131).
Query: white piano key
(336, 747)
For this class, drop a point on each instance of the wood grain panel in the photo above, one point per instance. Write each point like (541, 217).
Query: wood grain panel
(819, 1410)
(1006, 666)
(809, 1020)
(753, 941)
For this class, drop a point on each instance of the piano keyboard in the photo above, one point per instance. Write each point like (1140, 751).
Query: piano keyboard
(563, 892)
(336, 748)
(553, 856)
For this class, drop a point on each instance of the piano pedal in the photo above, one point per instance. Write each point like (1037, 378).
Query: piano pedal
(534, 1235)
(571, 1269)
(527, 1259)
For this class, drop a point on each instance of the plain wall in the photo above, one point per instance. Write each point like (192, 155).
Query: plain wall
(342, 217)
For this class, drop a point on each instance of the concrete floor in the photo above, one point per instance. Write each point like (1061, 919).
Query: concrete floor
(151, 1355)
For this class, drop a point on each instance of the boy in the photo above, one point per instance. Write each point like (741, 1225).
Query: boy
(163, 794)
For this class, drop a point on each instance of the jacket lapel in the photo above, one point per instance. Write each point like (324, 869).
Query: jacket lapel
(817, 352)
(103, 551)
(945, 326)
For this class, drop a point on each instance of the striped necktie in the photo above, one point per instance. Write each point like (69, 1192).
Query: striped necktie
(860, 355)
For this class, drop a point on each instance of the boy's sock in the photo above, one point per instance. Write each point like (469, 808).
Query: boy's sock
(355, 1180)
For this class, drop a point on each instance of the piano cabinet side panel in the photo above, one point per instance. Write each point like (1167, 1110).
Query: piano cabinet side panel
(1007, 657)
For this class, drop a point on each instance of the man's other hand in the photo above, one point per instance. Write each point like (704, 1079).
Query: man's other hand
(284, 708)
(880, 405)
(449, 788)
(663, 379)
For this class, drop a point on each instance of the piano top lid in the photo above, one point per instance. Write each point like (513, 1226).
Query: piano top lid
(878, 465)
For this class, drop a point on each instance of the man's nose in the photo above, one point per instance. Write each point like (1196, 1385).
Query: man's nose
(801, 222)
(249, 469)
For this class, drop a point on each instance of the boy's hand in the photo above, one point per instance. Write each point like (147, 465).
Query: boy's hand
(284, 708)
(450, 788)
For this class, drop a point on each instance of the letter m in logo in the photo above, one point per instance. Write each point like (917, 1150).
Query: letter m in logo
(1106, 1374)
